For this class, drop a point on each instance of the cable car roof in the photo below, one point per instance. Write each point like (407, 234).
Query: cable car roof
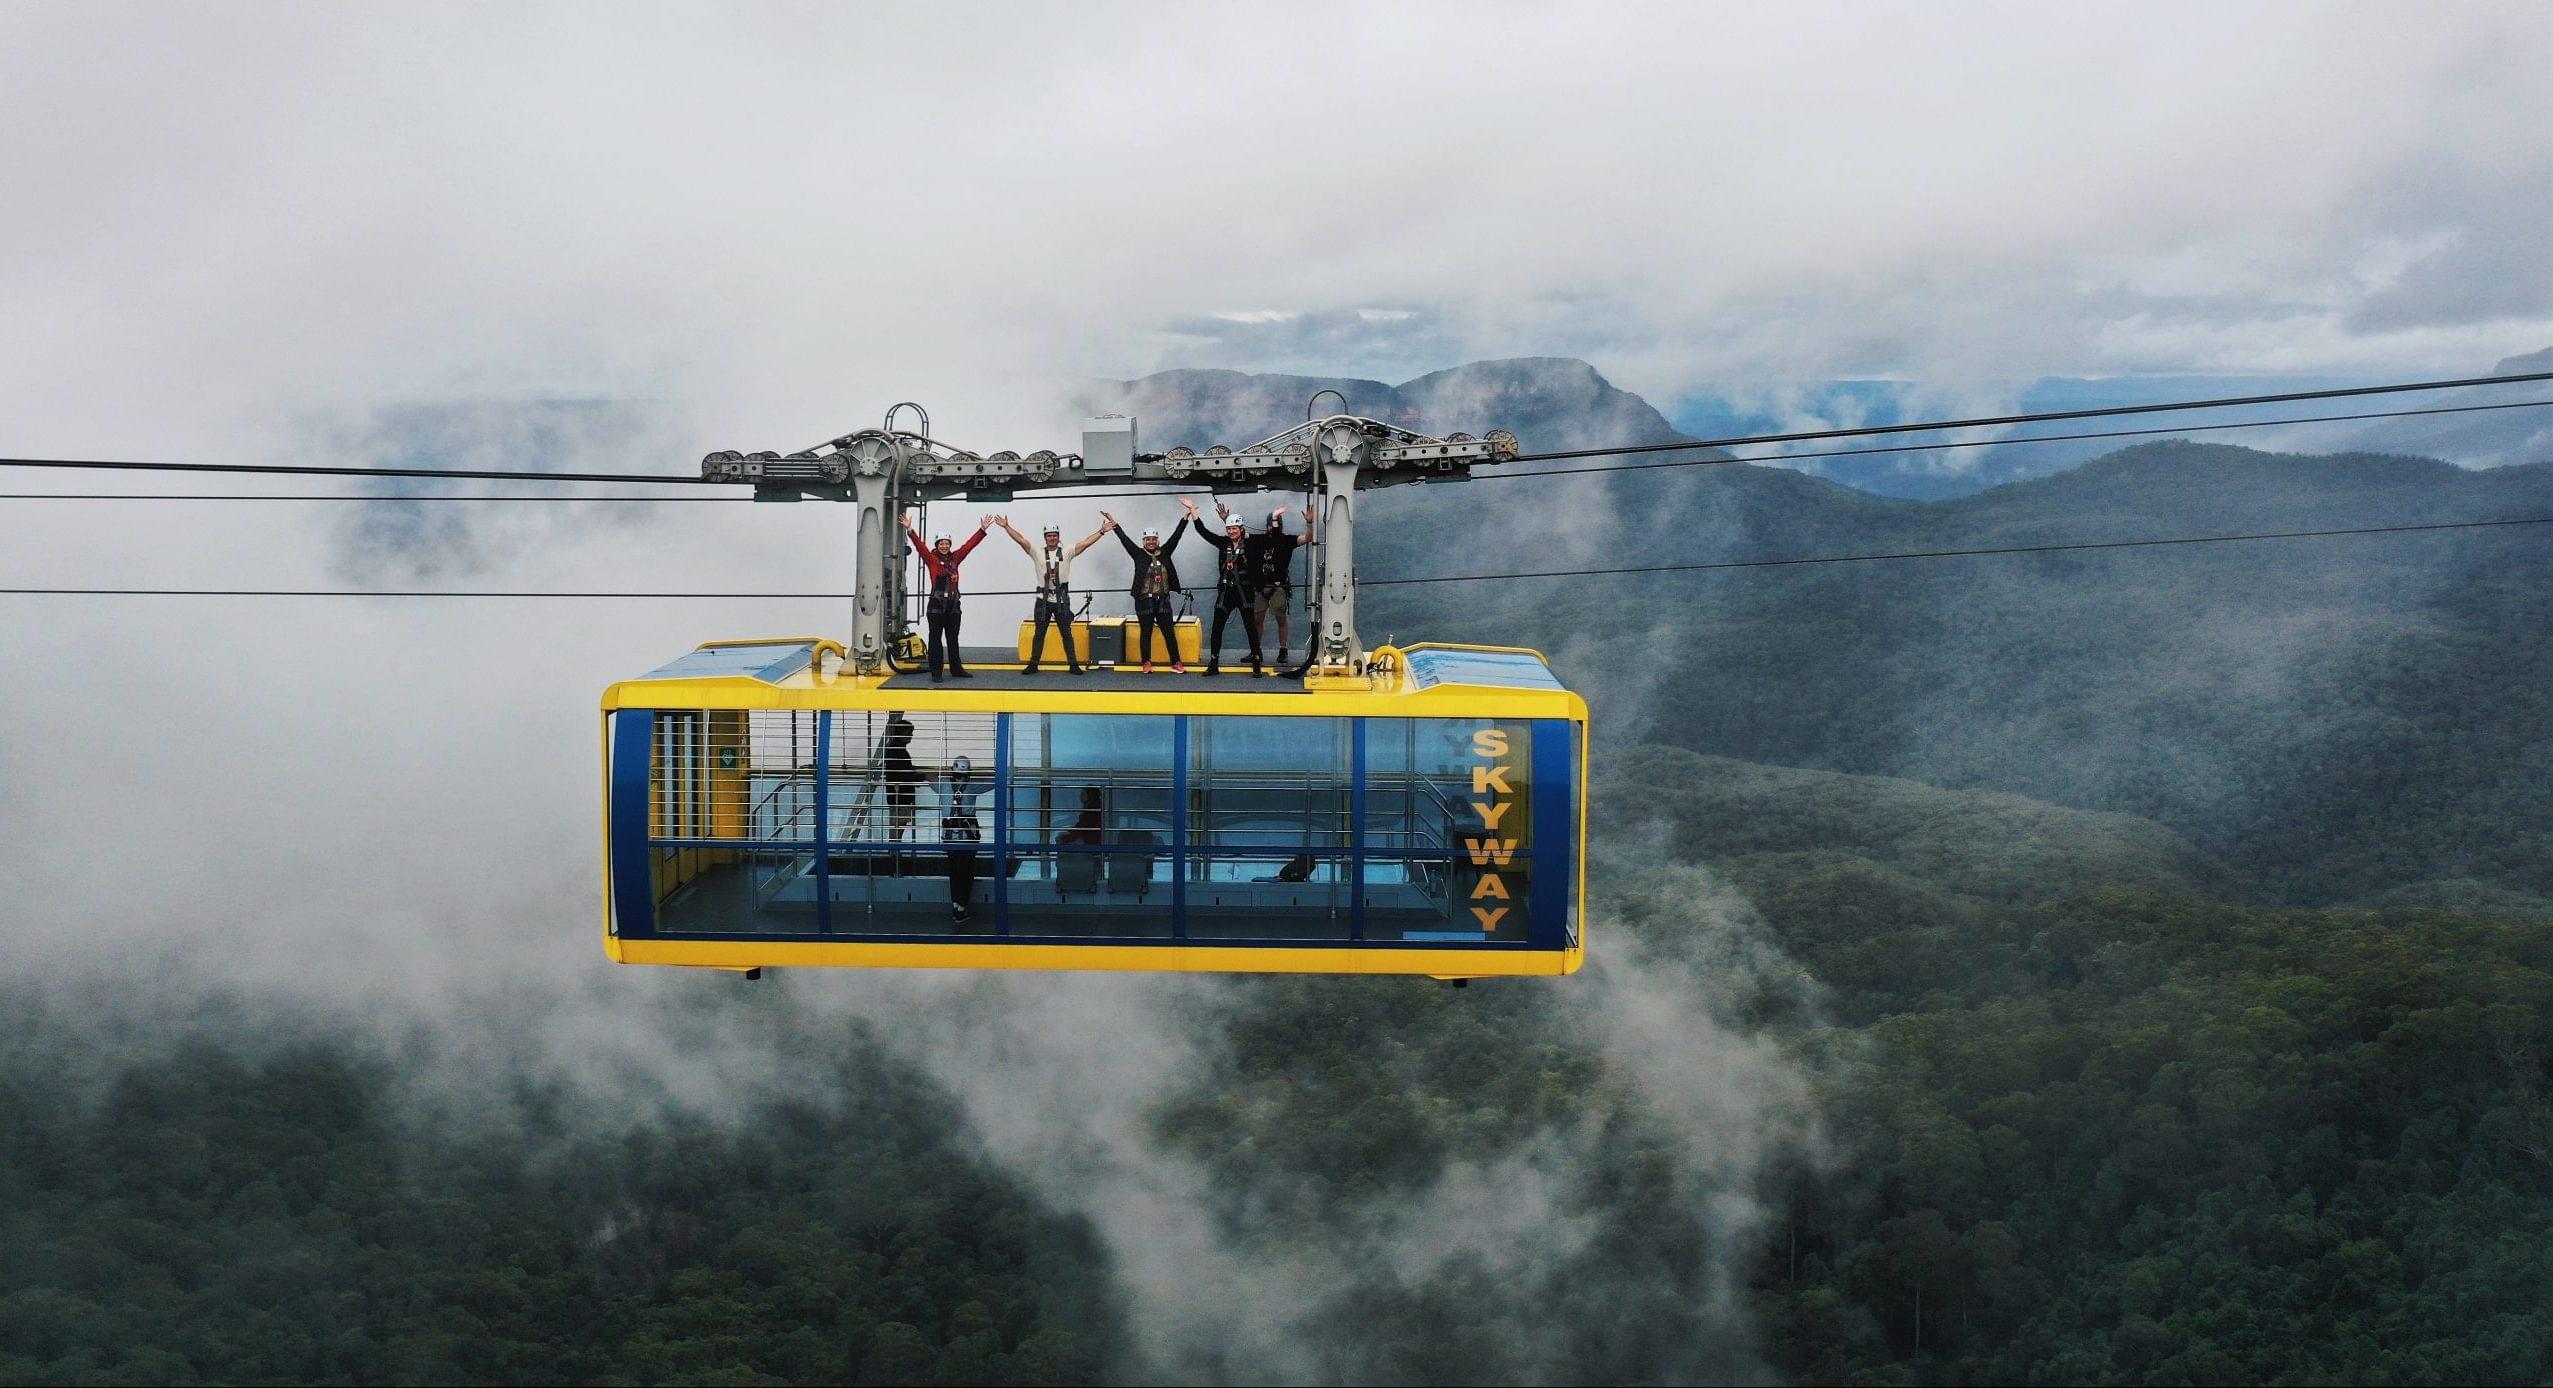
(1416, 681)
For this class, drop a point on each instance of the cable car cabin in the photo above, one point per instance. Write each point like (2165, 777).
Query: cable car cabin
(763, 810)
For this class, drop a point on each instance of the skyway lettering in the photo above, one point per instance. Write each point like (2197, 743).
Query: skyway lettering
(1493, 797)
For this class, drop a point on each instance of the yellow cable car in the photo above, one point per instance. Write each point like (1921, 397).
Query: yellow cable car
(764, 806)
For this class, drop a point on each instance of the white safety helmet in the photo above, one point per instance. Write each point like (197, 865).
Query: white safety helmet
(1234, 521)
(963, 766)
(939, 539)
(1054, 528)
(1151, 534)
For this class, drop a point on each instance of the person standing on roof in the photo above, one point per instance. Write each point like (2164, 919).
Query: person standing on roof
(941, 611)
(1271, 568)
(1231, 586)
(1154, 581)
(1054, 565)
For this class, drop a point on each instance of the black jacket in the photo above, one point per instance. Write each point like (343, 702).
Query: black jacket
(1232, 565)
(1169, 571)
(1271, 558)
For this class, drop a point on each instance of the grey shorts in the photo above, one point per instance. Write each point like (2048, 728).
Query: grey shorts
(1276, 600)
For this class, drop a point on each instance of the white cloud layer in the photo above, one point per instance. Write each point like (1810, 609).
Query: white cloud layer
(786, 215)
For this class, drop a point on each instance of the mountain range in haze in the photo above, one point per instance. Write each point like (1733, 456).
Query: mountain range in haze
(1561, 403)
(2329, 721)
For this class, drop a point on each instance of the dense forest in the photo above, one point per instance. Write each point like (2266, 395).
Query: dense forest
(227, 1203)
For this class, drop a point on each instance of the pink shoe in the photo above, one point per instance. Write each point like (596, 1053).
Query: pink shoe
(1147, 667)
(1178, 669)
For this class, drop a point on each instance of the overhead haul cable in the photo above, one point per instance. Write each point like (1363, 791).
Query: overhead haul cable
(1619, 450)
(1789, 562)
(1863, 431)
(1172, 489)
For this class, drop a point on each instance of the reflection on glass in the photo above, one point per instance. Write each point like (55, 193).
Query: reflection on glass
(1089, 813)
(1448, 829)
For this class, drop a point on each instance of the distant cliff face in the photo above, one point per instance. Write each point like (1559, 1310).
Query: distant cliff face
(2476, 438)
(1547, 402)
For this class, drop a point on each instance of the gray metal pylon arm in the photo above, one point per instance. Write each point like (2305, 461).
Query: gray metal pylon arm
(880, 470)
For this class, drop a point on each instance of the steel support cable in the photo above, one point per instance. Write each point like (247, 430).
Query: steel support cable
(2059, 547)
(2166, 430)
(1864, 431)
(1184, 488)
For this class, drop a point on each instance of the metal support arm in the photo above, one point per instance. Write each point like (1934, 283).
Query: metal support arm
(882, 470)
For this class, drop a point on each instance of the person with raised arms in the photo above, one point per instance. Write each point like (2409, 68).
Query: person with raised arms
(1054, 564)
(941, 611)
(1231, 585)
(1154, 581)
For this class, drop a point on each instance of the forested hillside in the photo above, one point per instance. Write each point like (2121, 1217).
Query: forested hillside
(236, 1201)
(2333, 719)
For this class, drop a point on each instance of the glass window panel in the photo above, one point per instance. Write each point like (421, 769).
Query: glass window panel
(1449, 829)
(1309, 896)
(731, 807)
(1090, 826)
(910, 816)
(1269, 805)
(737, 891)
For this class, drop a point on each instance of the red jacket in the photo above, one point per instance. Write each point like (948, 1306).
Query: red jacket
(944, 572)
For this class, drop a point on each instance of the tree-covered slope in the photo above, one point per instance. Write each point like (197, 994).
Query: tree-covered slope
(224, 1205)
(2331, 717)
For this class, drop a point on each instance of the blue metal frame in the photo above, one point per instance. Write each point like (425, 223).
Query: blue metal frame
(1356, 831)
(1555, 765)
(633, 878)
(1178, 826)
(824, 822)
(1550, 899)
(1002, 820)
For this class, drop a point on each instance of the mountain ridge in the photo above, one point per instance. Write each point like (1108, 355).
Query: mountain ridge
(2333, 719)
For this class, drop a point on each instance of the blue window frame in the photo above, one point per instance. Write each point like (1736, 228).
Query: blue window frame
(1217, 829)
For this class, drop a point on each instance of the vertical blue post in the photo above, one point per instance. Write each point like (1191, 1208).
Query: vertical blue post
(633, 858)
(1554, 855)
(1002, 824)
(824, 822)
(1356, 830)
(1179, 827)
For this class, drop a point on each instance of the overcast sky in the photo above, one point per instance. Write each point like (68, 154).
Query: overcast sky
(782, 216)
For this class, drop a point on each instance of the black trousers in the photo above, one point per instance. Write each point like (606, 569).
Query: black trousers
(962, 878)
(942, 615)
(1054, 612)
(1228, 604)
(1151, 613)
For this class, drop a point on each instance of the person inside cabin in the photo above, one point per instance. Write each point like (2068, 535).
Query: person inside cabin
(961, 831)
(1088, 830)
(1054, 563)
(899, 775)
(1231, 586)
(1271, 561)
(1154, 582)
(942, 609)
(1090, 825)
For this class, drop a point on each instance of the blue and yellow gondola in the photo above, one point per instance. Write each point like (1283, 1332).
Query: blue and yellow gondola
(762, 808)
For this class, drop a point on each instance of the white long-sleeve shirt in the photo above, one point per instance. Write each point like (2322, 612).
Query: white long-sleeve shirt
(1054, 567)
